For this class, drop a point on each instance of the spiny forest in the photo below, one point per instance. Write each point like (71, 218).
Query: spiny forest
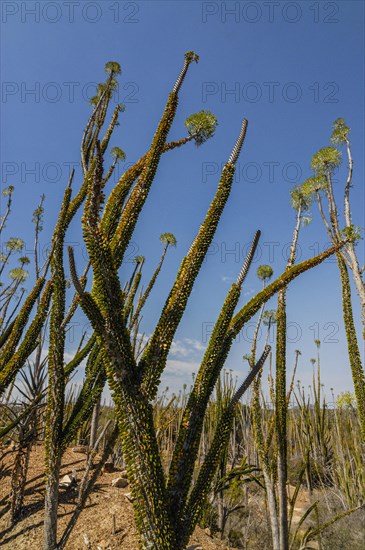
(285, 475)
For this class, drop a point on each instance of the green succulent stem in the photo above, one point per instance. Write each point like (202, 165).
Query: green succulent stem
(13, 338)
(56, 380)
(154, 358)
(200, 491)
(357, 369)
(264, 295)
(141, 190)
(187, 444)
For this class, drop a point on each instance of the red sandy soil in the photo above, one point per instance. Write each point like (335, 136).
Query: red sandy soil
(95, 521)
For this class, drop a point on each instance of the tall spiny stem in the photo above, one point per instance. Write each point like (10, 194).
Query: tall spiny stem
(140, 192)
(56, 382)
(153, 360)
(186, 448)
(207, 472)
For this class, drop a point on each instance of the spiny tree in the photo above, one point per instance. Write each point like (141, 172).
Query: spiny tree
(166, 509)
(301, 204)
(7, 192)
(270, 317)
(324, 163)
(95, 370)
(19, 338)
(26, 427)
(167, 239)
(277, 465)
(17, 275)
(167, 506)
(32, 392)
(264, 274)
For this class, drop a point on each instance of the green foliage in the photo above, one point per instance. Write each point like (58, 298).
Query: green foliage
(264, 272)
(325, 161)
(113, 68)
(141, 190)
(118, 154)
(191, 56)
(313, 184)
(300, 199)
(100, 89)
(201, 126)
(8, 191)
(38, 217)
(11, 361)
(112, 85)
(352, 233)
(346, 400)
(18, 274)
(269, 317)
(168, 238)
(237, 476)
(340, 132)
(14, 244)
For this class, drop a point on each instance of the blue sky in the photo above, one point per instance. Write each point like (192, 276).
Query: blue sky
(290, 68)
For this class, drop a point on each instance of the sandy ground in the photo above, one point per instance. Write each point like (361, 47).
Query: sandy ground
(94, 523)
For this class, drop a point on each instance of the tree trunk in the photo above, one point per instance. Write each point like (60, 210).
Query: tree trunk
(220, 507)
(271, 502)
(94, 423)
(56, 381)
(359, 282)
(281, 410)
(18, 482)
(281, 397)
(50, 506)
(144, 467)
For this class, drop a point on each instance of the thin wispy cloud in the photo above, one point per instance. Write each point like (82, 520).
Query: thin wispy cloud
(248, 292)
(178, 374)
(186, 348)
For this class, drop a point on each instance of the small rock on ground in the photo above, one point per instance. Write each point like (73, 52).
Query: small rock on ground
(120, 482)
